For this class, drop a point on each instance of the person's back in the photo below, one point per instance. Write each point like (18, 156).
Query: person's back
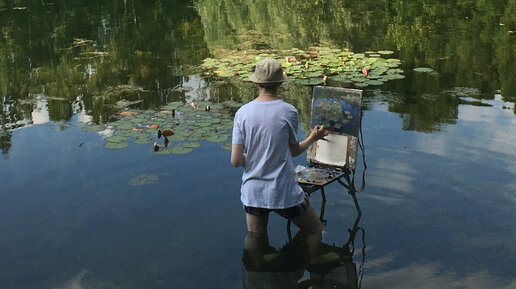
(264, 141)
(266, 129)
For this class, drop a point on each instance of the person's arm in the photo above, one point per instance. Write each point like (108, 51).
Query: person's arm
(317, 133)
(237, 155)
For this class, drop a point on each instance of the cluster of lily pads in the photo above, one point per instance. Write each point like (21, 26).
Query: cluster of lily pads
(177, 128)
(316, 66)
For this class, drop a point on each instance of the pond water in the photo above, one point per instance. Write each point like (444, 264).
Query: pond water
(438, 207)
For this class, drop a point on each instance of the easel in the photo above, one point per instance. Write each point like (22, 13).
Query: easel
(347, 180)
(348, 172)
(349, 185)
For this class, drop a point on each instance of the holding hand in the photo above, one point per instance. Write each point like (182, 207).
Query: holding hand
(318, 133)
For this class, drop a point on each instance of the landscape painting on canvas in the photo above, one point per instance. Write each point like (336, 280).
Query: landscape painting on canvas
(339, 110)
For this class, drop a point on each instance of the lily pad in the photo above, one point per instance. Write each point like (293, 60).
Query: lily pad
(116, 145)
(394, 76)
(218, 138)
(193, 144)
(309, 69)
(93, 128)
(116, 138)
(143, 180)
(423, 69)
(374, 82)
(164, 151)
(464, 92)
(177, 138)
(310, 81)
(179, 150)
(142, 140)
(226, 146)
(126, 126)
(385, 52)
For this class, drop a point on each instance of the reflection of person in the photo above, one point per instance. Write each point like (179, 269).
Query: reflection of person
(264, 139)
(265, 267)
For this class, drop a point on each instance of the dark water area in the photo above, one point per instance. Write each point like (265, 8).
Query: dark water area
(438, 208)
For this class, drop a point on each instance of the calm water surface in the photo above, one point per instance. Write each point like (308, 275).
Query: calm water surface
(438, 208)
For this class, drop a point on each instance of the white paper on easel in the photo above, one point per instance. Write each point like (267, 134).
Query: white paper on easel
(333, 151)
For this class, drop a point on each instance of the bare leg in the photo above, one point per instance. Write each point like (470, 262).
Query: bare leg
(257, 224)
(308, 221)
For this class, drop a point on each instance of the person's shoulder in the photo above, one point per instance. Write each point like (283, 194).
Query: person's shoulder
(288, 106)
(245, 106)
(244, 109)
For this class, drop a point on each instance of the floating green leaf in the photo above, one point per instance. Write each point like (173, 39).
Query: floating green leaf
(385, 52)
(177, 138)
(126, 126)
(189, 124)
(142, 140)
(143, 180)
(116, 145)
(93, 128)
(374, 82)
(192, 144)
(116, 138)
(180, 150)
(423, 69)
(217, 138)
(226, 146)
(394, 76)
(309, 81)
(308, 70)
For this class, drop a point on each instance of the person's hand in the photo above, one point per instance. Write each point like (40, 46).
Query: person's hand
(318, 133)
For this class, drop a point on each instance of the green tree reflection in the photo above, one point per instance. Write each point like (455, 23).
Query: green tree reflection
(76, 53)
(90, 54)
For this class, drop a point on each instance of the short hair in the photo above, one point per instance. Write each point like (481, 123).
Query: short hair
(269, 85)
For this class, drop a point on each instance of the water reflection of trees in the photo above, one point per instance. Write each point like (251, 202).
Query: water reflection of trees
(143, 44)
(463, 41)
(148, 46)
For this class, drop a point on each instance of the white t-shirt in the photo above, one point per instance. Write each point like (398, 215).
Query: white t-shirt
(266, 128)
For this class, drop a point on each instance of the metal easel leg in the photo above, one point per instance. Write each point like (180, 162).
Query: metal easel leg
(321, 214)
(322, 194)
(289, 233)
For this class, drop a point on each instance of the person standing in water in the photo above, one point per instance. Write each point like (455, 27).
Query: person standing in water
(263, 143)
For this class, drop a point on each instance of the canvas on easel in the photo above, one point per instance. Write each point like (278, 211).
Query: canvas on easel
(339, 110)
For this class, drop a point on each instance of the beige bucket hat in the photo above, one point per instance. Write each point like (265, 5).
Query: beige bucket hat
(268, 71)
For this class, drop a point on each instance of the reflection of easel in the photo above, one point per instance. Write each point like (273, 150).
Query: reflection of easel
(333, 266)
(347, 180)
(329, 274)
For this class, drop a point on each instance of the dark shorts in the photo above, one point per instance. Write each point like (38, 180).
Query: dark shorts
(287, 213)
